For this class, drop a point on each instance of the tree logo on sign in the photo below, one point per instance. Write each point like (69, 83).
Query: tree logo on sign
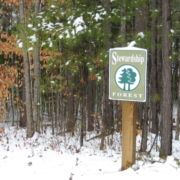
(127, 77)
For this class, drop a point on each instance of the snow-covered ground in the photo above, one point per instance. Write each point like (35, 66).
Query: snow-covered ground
(55, 157)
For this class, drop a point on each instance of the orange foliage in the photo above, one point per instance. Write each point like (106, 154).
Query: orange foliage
(97, 62)
(82, 80)
(46, 55)
(8, 45)
(16, 2)
(7, 80)
(28, 2)
(92, 77)
(2, 129)
(11, 3)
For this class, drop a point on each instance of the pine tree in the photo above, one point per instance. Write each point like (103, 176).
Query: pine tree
(131, 77)
(124, 79)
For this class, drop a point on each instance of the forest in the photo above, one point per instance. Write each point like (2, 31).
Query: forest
(54, 67)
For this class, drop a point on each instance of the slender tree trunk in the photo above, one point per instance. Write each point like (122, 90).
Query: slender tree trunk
(98, 111)
(12, 106)
(30, 129)
(82, 116)
(57, 110)
(166, 139)
(118, 116)
(37, 74)
(107, 104)
(177, 94)
(153, 80)
(159, 76)
(145, 120)
(141, 23)
(123, 22)
(70, 104)
(36, 102)
(23, 116)
(90, 105)
(52, 113)
(178, 114)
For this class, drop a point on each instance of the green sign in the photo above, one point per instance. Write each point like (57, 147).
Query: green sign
(127, 74)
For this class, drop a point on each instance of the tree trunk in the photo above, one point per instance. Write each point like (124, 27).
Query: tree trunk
(145, 120)
(82, 116)
(37, 73)
(30, 129)
(90, 105)
(178, 114)
(141, 23)
(153, 80)
(107, 104)
(123, 23)
(166, 139)
(70, 104)
(52, 113)
(177, 91)
(23, 116)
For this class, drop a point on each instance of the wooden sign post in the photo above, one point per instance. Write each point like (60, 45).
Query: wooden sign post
(127, 82)
(128, 133)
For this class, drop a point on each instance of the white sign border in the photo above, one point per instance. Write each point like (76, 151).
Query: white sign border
(129, 49)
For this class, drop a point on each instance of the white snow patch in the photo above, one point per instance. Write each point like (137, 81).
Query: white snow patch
(103, 13)
(141, 34)
(43, 43)
(99, 78)
(47, 26)
(34, 29)
(70, 18)
(20, 44)
(33, 38)
(68, 62)
(61, 36)
(79, 28)
(50, 42)
(97, 17)
(30, 49)
(79, 24)
(131, 44)
(46, 156)
(59, 24)
(30, 25)
(53, 6)
(172, 31)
